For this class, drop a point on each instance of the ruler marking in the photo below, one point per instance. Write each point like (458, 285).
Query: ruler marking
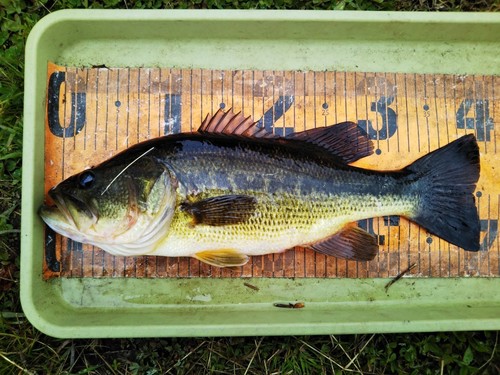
(243, 93)
(407, 113)
(416, 113)
(74, 105)
(159, 101)
(222, 88)
(429, 145)
(446, 111)
(437, 113)
(138, 103)
(117, 108)
(96, 110)
(149, 103)
(396, 101)
(107, 112)
(232, 90)
(127, 121)
(63, 161)
(438, 131)
(455, 84)
(377, 125)
(252, 86)
(484, 124)
(87, 91)
(386, 113)
(488, 234)
(345, 96)
(366, 90)
(202, 114)
(493, 80)
(325, 101)
(212, 91)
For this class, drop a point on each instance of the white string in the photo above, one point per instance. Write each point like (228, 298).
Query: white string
(124, 169)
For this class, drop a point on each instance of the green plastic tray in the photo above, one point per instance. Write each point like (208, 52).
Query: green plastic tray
(284, 40)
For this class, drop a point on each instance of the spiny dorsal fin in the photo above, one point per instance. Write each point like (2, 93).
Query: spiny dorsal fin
(350, 243)
(230, 123)
(221, 210)
(345, 140)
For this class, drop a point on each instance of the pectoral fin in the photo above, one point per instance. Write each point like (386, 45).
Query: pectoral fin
(222, 210)
(222, 258)
(350, 243)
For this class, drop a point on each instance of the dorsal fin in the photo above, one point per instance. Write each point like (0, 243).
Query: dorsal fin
(230, 123)
(345, 140)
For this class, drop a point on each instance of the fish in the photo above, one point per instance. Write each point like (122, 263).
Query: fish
(232, 190)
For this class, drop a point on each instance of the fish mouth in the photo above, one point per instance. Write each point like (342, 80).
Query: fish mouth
(68, 206)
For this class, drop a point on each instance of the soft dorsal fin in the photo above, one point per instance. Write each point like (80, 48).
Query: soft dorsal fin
(230, 123)
(345, 140)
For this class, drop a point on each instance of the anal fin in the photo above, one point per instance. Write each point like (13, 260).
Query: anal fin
(222, 258)
(351, 243)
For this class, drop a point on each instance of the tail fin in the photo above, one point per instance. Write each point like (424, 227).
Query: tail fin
(445, 181)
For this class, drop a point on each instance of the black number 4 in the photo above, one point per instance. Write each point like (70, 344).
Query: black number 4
(482, 123)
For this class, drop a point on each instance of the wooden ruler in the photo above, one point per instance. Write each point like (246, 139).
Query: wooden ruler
(93, 113)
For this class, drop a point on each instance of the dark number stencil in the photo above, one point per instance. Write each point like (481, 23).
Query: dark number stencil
(481, 121)
(273, 114)
(389, 119)
(78, 108)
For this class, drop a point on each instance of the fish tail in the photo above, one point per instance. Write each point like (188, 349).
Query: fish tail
(444, 182)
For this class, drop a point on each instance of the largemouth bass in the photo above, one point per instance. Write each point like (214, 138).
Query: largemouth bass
(232, 190)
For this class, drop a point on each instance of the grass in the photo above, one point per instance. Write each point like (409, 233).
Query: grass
(24, 350)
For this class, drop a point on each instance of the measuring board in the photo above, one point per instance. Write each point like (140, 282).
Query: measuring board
(94, 113)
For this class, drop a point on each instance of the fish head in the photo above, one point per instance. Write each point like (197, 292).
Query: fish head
(121, 206)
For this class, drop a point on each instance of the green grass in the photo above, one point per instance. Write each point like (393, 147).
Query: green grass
(24, 350)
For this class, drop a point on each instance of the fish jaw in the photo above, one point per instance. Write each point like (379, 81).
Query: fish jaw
(60, 223)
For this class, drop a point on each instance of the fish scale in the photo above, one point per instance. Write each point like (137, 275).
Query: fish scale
(300, 197)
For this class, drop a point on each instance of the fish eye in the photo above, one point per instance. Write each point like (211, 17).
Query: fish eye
(86, 179)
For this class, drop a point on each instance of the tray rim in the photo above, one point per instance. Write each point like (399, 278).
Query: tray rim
(32, 284)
